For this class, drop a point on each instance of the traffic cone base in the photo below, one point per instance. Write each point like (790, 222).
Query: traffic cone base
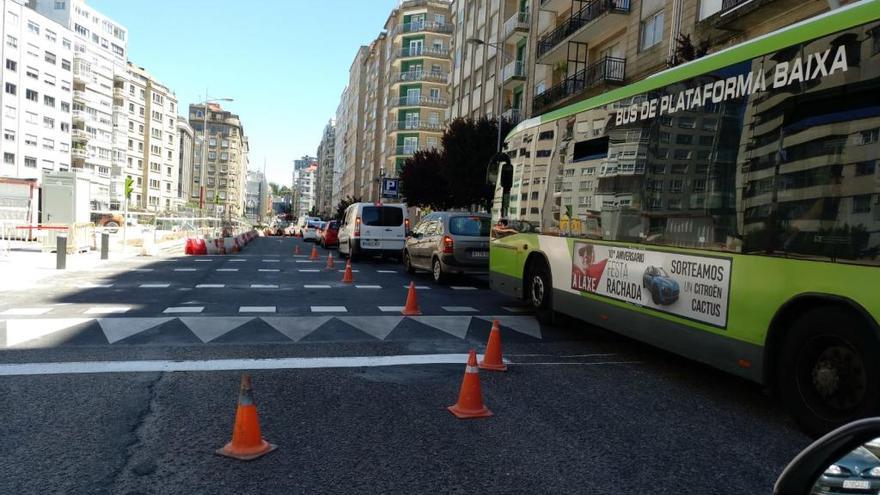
(470, 397)
(492, 359)
(264, 448)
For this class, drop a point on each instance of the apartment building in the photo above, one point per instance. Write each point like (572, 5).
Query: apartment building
(185, 148)
(256, 196)
(372, 158)
(37, 94)
(99, 122)
(339, 147)
(352, 127)
(153, 161)
(220, 176)
(491, 38)
(417, 78)
(324, 179)
(304, 182)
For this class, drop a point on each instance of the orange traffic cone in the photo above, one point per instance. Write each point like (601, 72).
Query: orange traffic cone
(314, 255)
(492, 358)
(412, 302)
(470, 398)
(296, 250)
(348, 276)
(330, 261)
(247, 441)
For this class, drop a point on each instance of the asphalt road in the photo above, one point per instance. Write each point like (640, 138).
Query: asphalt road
(579, 411)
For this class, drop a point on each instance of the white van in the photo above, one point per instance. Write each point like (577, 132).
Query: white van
(303, 222)
(373, 229)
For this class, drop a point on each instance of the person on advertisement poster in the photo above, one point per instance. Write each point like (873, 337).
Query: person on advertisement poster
(585, 270)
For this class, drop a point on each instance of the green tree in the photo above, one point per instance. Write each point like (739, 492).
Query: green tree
(422, 182)
(468, 147)
(344, 204)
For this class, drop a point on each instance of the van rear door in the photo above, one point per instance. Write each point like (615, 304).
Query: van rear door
(382, 227)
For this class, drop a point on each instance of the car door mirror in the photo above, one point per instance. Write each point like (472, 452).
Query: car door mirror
(848, 458)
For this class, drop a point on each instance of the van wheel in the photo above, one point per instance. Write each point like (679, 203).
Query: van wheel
(827, 369)
(437, 271)
(407, 263)
(539, 291)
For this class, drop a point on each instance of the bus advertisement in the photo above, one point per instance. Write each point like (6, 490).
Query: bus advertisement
(727, 210)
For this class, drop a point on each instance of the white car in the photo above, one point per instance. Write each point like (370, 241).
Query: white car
(373, 229)
(310, 229)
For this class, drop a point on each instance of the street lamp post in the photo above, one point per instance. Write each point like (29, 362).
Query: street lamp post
(498, 78)
(204, 164)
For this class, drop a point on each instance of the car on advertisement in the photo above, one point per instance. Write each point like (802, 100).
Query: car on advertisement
(447, 243)
(664, 289)
(373, 229)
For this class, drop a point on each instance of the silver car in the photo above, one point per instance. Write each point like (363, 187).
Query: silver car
(447, 243)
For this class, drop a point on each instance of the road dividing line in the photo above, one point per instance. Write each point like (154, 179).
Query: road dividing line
(227, 269)
(368, 286)
(316, 286)
(185, 269)
(329, 309)
(256, 309)
(459, 309)
(25, 311)
(271, 261)
(391, 309)
(154, 286)
(107, 310)
(264, 286)
(203, 260)
(210, 286)
(418, 287)
(269, 270)
(84, 367)
(142, 269)
(184, 309)
(386, 271)
(343, 271)
(304, 261)
(93, 286)
(309, 270)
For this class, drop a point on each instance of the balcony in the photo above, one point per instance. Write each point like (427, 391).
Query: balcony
(512, 115)
(82, 71)
(517, 27)
(513, 72)
(81, 116)
(421, 75)
(555, 5)
(609, 70)
(585, 15)
(80, 153)
(418, 101)
(419, 125)
(422, 27)
(423, 51)
(741, 14)
(80, 135)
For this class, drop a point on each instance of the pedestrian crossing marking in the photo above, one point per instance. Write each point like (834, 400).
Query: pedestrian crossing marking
(316, 286)
(99, 310)
(185, 269)
(227, 269)
(269, 270)
(391, 309)
(116, 329)
(25, 311)
(210, 286)
(21, 331)
(264, 286)
(154, 286)
(256, 309)
(184, 309)
(368, 286)
(329, 309)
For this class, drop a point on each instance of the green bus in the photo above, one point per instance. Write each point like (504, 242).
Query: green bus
(727, 210)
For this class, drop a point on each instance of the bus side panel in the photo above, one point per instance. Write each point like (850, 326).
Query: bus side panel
(506, 262)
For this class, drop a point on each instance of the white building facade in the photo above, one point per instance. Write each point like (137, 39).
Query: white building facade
(37, 94)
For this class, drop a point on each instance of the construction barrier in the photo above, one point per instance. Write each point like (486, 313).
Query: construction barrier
(220, 245)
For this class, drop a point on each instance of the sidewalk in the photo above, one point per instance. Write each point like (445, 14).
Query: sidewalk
(24, 268)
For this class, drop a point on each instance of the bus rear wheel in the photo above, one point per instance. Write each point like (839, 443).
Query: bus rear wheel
(828, 371)
(539, 291)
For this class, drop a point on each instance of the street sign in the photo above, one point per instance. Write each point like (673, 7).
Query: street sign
(390, 188)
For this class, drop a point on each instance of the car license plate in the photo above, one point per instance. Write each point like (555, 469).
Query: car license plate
(369, 242)
(480, 254)
(857, 484)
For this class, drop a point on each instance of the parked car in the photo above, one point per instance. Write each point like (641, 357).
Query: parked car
(330, 234)
(663, 288)
(856, 472)
(447, 243)
(310, 229)
(300, 226)
(373, 229)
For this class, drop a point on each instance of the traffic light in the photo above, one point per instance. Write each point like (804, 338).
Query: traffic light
(129, 187)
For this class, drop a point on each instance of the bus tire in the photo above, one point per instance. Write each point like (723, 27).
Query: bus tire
(539, 291)
(827, 371)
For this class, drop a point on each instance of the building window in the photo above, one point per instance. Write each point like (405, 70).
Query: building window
(49, 101)
(11, 41)
(865, 137)
(31, 95)
(48, 123)
(50, 57)
(33, 27)
(32, 73)
(30, 140)
(9, 158)
(30, 162)
(9, 135)
(11, 65)
(866, 168)
(862, 204)
(65, 64)
(10, 88)
(652, 30)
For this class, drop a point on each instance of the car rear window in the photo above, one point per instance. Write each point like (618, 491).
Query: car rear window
(382, 216)
(469, 226)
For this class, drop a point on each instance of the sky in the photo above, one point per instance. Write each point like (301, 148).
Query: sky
(285, 62)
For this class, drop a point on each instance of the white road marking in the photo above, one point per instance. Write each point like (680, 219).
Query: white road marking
(457, 326)
(271, 261)
(154, 286)
(93, 286)
(269, 270)
(227, 269)
(25, 311)
(107, 310)
(264, 286)
(203, 260)
(85, 367)
(377, 326)
(309, 270)
(208, 328)
(296, 328)
(458, 287)
(116, 329)
(522, 324)
(329, 309)
(304, 261)
(184, 309)
(343, 271)
(391, 309)
(578, 364)
(19, 331)
(316, 286)
(418, 287)
(210, 286)
(185, 269)
(237, 260)
(459, 309)
(256, 309)
(368, 286)
(386, 271)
